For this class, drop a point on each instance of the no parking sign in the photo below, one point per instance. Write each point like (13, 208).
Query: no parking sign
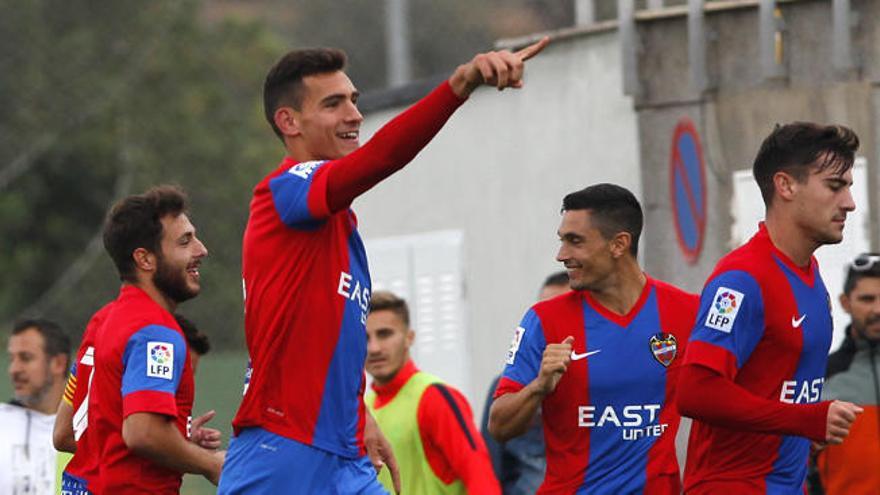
(687, 188)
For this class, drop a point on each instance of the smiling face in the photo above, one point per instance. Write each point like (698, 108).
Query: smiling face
(584, 251)
(327, 124)
(821, 203)
(177, 266)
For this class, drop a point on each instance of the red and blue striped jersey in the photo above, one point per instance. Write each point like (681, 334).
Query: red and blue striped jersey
(307, 292)
(142, 365)
(307, 285)
(764, 324)
(84, 464)
(610, 425)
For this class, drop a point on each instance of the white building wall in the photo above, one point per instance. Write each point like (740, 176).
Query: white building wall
(498, 171)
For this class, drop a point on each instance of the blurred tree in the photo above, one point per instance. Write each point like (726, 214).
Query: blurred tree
(102, 99)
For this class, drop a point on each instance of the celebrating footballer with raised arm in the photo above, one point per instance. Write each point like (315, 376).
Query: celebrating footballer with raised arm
(302, 425)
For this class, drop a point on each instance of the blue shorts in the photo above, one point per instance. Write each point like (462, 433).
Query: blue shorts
(71, 485)
(260, 462)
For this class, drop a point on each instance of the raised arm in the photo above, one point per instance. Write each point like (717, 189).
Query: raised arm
(401, 139)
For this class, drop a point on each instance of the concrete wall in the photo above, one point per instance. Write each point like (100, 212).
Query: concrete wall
(740, 110)
(498, 172)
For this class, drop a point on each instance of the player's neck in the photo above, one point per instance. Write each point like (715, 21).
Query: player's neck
(156, 295)
(788, 238)
(299, 153)
(623, 289)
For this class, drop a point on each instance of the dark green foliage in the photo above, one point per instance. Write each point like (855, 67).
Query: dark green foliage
(97, 96)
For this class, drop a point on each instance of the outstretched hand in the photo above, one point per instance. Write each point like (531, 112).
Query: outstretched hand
(502, 69)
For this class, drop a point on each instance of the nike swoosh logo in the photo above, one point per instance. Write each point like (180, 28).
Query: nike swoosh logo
(575, 356)
(797, 322)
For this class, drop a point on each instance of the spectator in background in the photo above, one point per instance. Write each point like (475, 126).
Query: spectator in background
(519, 463)
(39, 354)
(854, 466)
(429, 424)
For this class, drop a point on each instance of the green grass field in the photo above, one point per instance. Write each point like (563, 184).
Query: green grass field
(219, 382)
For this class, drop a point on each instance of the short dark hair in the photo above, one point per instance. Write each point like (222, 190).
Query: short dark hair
(554, 279)
(136, 222)
(55, 340)
(853, 275)
(797, 147)
(283, 85)
(196, 340)
(614, 208)
(386, 300)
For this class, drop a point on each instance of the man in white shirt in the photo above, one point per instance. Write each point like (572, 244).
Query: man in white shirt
(39, 356)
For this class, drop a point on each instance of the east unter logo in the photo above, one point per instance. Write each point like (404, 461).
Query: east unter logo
(160, 360)
(664, 347)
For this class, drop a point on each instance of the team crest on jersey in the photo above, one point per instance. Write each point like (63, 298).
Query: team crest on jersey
(160, 360)
(725, 306)
(514, 345)
(664, 347)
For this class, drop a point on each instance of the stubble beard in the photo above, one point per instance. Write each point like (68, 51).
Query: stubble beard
(172, 283)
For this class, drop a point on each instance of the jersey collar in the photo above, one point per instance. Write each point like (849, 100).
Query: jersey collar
(385, 393)
(621, 320)
(807, 275)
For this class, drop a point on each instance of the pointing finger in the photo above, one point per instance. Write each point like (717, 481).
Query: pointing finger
(533, 49)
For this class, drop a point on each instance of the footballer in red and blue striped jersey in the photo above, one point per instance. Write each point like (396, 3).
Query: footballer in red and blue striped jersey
(307, 293)
(305, 277)
(83, 467)
(764, 324)
(610, 424)
(141, 366)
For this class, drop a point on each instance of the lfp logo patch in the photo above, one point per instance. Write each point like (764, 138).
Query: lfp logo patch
(725, 307)
(160, 360)
(664, 347)
(514, 344)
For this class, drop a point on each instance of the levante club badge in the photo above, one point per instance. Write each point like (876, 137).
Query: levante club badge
(663, 347)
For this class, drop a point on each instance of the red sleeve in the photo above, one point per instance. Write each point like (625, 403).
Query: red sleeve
(150, 401)
(705, 395)
(507, 386)
(453, 447)
(392, 147)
